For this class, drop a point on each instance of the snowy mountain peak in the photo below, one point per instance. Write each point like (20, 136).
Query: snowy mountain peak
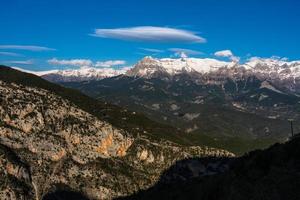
(270, 67)
(148, 66)
(274, 68)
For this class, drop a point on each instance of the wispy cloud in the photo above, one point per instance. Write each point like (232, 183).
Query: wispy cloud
(86, 62)
(227, 54)
(187, 52)
(184, 53)
(71, 62)
(110, 63)
(152, 50)
(26, 47)
(150, 34)
(5, 53)
(21, 62)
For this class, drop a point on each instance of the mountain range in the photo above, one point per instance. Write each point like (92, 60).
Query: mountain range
(284, 74)
(143, 133)
(227, 105)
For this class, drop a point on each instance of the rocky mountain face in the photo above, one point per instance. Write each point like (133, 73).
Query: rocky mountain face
(263, 174)
(49, 143)
(283, 74)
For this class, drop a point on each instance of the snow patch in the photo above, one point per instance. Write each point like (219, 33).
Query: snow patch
(238, 106)
(191, 116)
(267, 85)
(156, 106)
(174, 107)
(191, 129)
(262, 97)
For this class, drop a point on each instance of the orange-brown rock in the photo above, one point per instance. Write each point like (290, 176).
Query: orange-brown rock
(105, 144)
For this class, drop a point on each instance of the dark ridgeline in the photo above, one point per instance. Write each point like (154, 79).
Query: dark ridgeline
(64, 195)
(270, 174)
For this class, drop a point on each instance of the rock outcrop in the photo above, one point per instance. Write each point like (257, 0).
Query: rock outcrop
(47, 143)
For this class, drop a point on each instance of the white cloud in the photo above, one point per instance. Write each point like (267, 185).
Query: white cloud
(152, 50)
(21, 62)
(184, 53)
(150, 33)
(4, 53)
(110, 63)
(224, 53)
(26, 47)
(227, 54)
(72, 62)
(86, 63)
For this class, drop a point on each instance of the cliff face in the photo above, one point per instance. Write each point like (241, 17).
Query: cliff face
(41, 122)
(48, 143)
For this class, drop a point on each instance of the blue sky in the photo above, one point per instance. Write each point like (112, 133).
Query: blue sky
(34, 32)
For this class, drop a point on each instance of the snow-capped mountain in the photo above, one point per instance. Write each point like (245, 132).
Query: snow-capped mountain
(250, 100)
(271, 67)
(282, 73)
(274, 68)
(82, 74)
(149, 66)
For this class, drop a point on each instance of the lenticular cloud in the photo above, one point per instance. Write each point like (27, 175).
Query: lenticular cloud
(150, 33)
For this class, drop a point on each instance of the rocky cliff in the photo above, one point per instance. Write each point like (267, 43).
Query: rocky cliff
(48, 143)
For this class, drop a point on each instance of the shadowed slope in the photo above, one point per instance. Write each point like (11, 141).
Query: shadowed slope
(263, 174)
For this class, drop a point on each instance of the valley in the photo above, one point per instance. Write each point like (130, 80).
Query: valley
(227, 108)
(149, 100)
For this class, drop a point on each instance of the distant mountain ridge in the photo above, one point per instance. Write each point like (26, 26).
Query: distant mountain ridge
(282, 73)
(83, 74)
